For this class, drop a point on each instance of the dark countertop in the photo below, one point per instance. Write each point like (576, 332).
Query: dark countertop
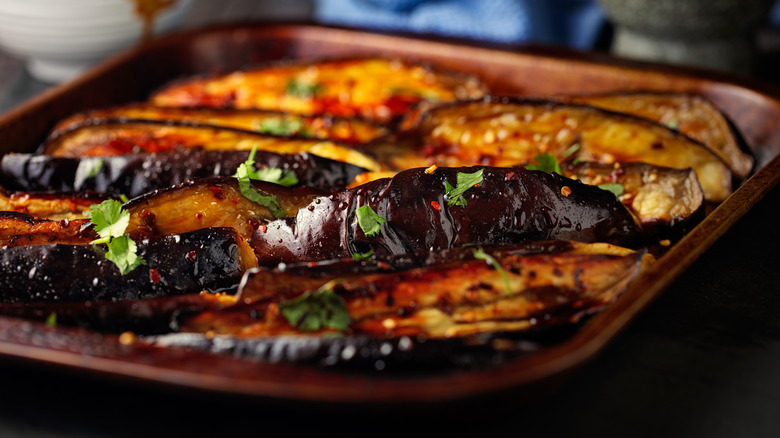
(703, 360)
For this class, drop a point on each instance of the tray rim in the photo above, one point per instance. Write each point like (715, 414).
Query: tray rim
(555, 361)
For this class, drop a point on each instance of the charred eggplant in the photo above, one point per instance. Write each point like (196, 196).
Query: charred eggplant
(374, 88)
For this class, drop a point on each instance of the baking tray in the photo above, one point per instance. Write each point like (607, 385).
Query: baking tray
(753, 106)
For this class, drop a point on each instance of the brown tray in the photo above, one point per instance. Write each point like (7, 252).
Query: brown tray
(754, 107)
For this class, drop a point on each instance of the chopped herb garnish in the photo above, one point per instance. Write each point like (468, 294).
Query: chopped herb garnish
(245, 173)
(110, 222)
(546, 163)
(51, 320)
(673, 124)
(280, 126)
(317, 309)
(617, 189)
(369, 221)
(465, 181)
(94, 169)
(123, 198)
(276, 175)
(571, 150)
(302, 89)
(480, 254)
(363, 256)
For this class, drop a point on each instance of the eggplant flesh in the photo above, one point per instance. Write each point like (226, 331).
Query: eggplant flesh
(212, 259)
(195, 204)
(502, 131)
(136, 174)
(122, 137)
(668, 202)
(348, 130)
(510, 205)
(375, 89)
(513, 292)
(50, 204)
(690, 114)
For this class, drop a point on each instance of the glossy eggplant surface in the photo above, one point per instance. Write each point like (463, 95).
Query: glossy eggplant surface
(501, 131)
(372, 88)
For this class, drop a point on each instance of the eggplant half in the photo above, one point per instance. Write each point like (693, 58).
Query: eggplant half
(195, 204)
(414, 314)
(499, 131)
(375, 89)
(212, 259)
(122, 137)
(348, 130)
(136, 174)
(690, 114)
(420, 209)
(49, 204)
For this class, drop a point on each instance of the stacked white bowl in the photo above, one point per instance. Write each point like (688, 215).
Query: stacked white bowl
(58, 39)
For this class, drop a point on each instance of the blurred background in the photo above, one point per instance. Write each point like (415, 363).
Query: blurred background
(43, 42)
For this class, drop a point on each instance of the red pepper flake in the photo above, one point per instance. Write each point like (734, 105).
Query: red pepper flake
(436, 206)
(383, 265)
(263, 228)
(198, 216)
(191, 256)
(218, 193)
(311, 264)
(234, 201)
(154, 276)
(565, 191)
(431, 169)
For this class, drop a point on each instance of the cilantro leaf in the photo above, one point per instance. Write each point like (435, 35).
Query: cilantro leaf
(245, 173)
(363, 256)
(276, 175)
(109, 219)
(280, 126)
(546, 163)
(369, 221)
(51, 320)
(110, 222)
(302, 89)
(465, 181)
(616, 189)
(123, 252)
(316, 309)
(480, 254)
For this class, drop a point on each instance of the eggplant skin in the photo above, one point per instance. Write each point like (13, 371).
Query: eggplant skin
(511, 205)
(212, 259)
(136, 174)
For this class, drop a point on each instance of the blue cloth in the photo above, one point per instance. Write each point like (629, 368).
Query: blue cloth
(574, 23)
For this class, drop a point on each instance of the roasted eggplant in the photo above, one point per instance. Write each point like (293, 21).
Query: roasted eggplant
(691, 114)
(195, 204)
(502, 131)
(371, 88)
(212, 259)
(132, 136)
(466, 292)
(444, 208)
(49, 204)
(348, 130)
(136, 174)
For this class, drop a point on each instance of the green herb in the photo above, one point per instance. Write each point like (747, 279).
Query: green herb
(245, 173)
(363, 256)
(673, 124)
(571, 150)
(617, 189)
(280, 126)
(276, 175)
(110, 222)
(109, 219)
(546, 163)
(369, 221)
(317, 309)
(124, 198)
(480, 254)
(94, 169)
(302, 89)
(465, 181)
(51, 320)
